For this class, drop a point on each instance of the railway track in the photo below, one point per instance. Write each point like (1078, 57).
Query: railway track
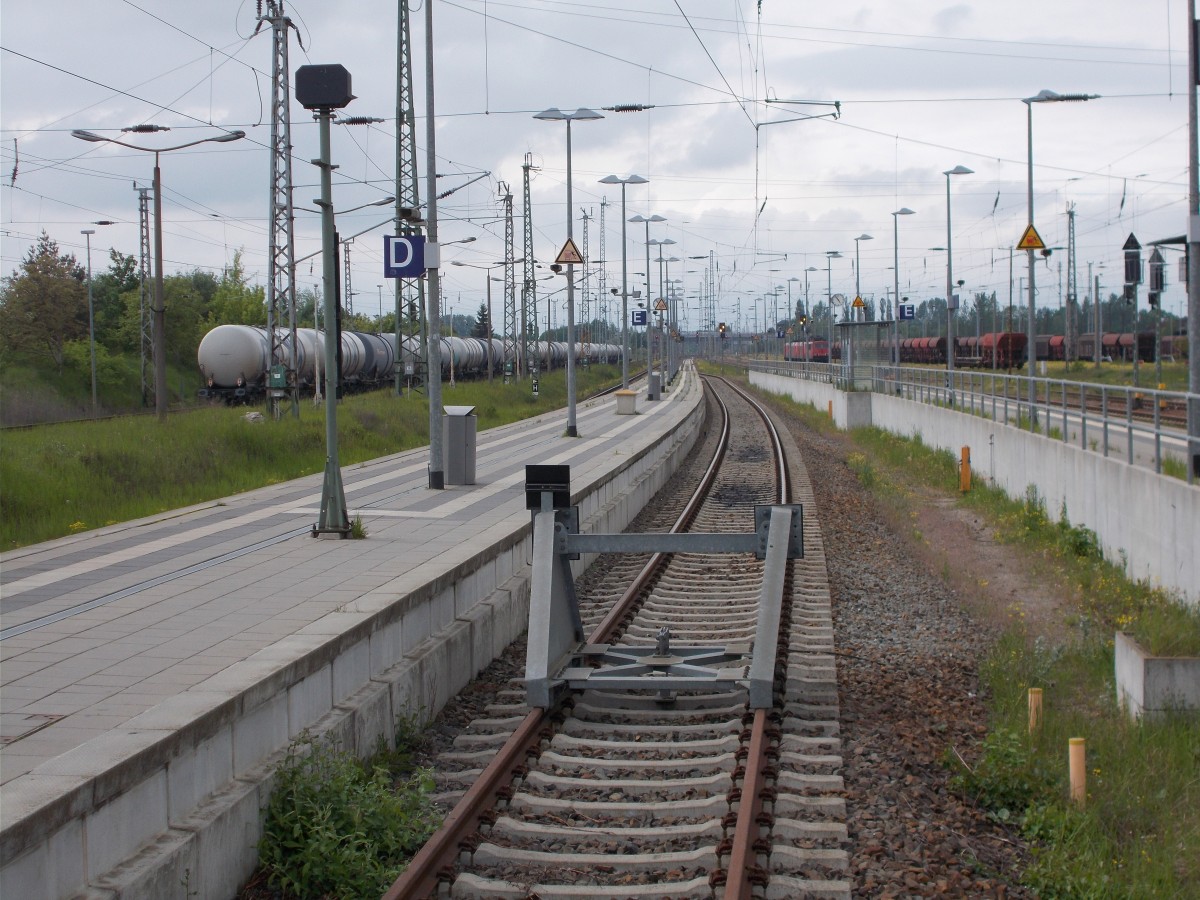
(655, 793)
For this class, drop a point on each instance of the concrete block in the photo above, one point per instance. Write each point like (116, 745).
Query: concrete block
(52, 869)
(386, 648)
(373, 718)
(259, 733)
(1149, 686)
(351, 669)
(225, 832)
(441, 610)
(467, 593)
(195, 774)
(416, 627)
(118, 828)
(168, 866)
(481, 623)
(405, 685)
(309, 699)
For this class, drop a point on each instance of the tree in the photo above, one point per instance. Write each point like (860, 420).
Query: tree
(44, 304)
(482, 324)
(235, 302)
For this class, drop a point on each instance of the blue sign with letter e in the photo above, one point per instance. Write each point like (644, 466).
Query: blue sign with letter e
(907, 311)
(403, 257)
(639, 317)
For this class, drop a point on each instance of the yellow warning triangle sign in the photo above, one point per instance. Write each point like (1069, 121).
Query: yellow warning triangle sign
(1031, 240)
(569, 254)
(858, 303)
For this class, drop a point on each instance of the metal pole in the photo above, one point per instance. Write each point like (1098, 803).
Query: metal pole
(1193, 248)
(896, 273)
(1031, 334)
(571, 429)
(87, 233)
(437, 476)
(949, 296)
(624, 295)
(160, 310)
(488, 275)
(333, 517)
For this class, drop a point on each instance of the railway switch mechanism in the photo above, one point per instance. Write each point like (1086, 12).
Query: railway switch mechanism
(559, 659)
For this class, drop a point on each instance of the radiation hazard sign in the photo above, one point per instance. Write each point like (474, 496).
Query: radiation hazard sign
(1031, 240)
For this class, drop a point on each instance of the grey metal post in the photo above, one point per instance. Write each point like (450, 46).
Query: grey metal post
(333, 516)
(87, 233)
(1031, 333)
(437, 475)
(160, 310)
(624, 296)
(1193, 247)
(572, 431)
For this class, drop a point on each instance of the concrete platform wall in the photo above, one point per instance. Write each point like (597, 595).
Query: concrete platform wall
(1148, 522)
(171, 805)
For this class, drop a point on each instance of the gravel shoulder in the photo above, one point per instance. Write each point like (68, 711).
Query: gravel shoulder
(918, 597)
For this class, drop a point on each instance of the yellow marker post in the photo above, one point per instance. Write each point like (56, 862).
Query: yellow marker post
(1035, 709)
(1077, 763)
(964, 471)
(831, 409)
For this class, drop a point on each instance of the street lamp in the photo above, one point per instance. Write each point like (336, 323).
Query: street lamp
(950, 305)
(858, 265)
(902, 211)
(830, 255)
(580, 115)
(661, 292)
(807, 305)
(646, 220)
(160, 318)
(632, 179)
(1043, 96)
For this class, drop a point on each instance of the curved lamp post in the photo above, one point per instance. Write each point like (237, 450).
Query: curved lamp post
(580, 115)
(160, 322)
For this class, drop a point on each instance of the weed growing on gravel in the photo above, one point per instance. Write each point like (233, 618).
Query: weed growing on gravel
(336, 826)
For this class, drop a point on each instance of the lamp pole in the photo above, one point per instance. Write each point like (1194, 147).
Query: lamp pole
(830, 256)
(87, 233)
(159, 310)
(902, 211)
(950, 305)
(1043, 96)
(632, 179)
(858, 264)
(646, 220)
(582, 115)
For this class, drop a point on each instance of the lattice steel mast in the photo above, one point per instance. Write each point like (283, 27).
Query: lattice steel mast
(409, 292)
(281, 259)
(146, 341)
(603, 275)
(529, 288)
(584, 308)
(510, 284)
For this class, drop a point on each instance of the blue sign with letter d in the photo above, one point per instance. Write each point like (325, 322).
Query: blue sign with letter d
(403, 257)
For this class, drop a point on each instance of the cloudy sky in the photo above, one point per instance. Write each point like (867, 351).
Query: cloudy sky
(743, 158)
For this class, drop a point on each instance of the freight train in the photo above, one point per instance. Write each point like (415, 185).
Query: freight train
(235, 360)
(1002, 350)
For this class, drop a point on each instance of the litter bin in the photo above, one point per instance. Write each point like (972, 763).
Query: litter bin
(626, 403)
(654, 389)
(458, 444)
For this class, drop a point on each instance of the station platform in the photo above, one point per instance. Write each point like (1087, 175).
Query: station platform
(152, 673)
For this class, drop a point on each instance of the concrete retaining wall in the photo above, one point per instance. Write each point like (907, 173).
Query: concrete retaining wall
(178, 811)
(1152, 686)
(1148, 522)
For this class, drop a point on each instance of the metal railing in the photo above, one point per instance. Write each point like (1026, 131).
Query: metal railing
(1140, 424)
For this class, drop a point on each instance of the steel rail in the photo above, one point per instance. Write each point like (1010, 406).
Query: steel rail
(431, 863)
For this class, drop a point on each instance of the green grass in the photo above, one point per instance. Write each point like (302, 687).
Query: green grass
(61, 479)
(1138, 834)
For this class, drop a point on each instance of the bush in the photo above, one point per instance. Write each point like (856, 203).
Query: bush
(337, 827)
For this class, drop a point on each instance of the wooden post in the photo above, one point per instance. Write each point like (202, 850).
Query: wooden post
(1035, 709)
(1077, 760)
(964, 471)
(831, 409)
